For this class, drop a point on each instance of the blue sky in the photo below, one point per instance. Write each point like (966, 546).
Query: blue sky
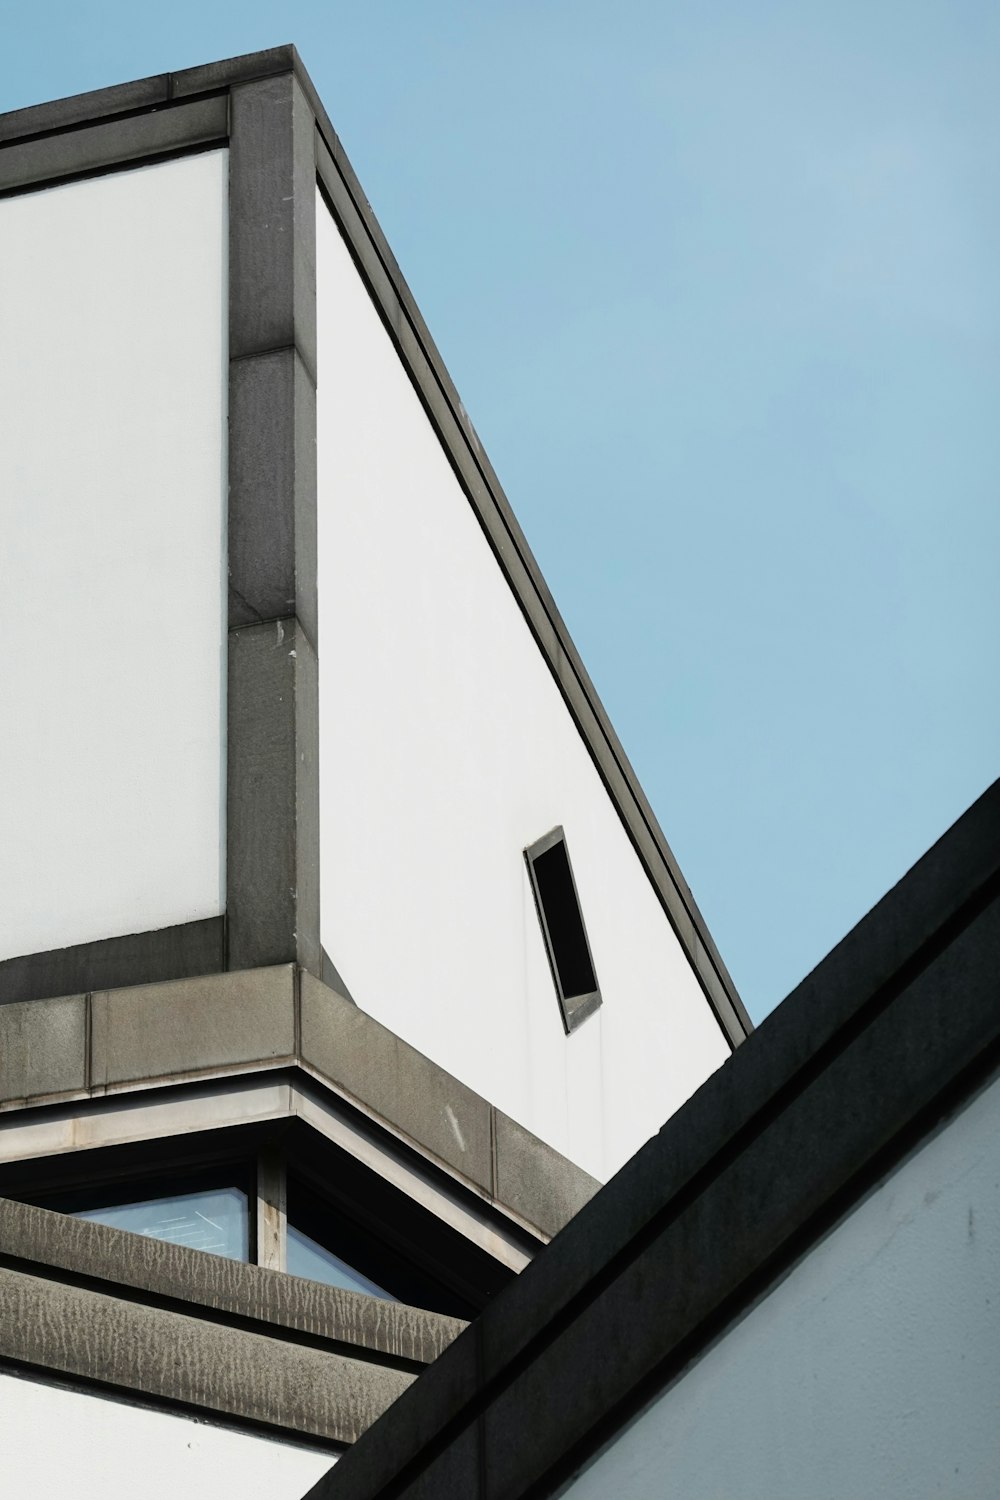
(718, 284)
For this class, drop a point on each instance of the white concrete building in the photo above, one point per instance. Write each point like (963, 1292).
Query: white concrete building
(342, 959)
(337, 938)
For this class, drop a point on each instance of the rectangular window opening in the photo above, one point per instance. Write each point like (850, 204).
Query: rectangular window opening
(562, 926)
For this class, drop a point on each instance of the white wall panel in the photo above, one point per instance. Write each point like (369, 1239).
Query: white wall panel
(872, 1369)
(55, 1441)
(446, 749)
(112, 493)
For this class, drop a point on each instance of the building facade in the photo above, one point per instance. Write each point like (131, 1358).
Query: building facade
(341, 955)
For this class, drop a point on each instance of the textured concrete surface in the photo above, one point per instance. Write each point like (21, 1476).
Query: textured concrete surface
(113, 141)
(75, 1332)
(137, 958)
(272, 220)
(386, 1331)
(42, 1048)
(173, 1032)
(272, 490)
(159, 1030)
(374, 1066)
(272, 852)
(534, 1180)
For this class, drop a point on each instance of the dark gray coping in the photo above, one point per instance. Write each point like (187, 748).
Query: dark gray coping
(138, 958)
(83, 1046)
(26, 164)
(438, 394)
(889, 1036)
(104, 1258)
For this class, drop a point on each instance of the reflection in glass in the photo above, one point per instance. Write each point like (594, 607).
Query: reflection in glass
(307, 1258)
(216, 1221)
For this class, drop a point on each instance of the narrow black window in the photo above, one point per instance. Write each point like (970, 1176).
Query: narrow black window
(562, 928)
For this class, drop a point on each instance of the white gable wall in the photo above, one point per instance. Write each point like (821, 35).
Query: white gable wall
(446, 748)
(112, 507)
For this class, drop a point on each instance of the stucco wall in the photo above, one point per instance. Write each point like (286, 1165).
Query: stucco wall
(872, 1369)
(446, 748)
(113, 350)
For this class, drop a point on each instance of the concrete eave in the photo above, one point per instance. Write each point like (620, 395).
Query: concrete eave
(71, 1053)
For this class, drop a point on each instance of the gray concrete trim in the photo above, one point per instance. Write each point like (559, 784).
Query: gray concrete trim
(72, 1331)
(137, 958)
(272, 220)
(45, 1243)
(782, 1142)
(272, 490)
(239, 1022)
(272, 898)
(272, 855)
(416, 349)
(144, 93)
(114, 143)
(367, 1062)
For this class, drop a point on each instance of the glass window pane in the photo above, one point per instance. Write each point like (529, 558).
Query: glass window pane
(307, 1258)
(216, 1221)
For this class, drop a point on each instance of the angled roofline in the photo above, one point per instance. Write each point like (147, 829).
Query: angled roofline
(36, 133)
(879, 1047)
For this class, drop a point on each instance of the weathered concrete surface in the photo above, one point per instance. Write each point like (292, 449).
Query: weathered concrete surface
(75, 1332)
(42, 1047)
(192, 1025)
(255, 1018)
(380, 1330)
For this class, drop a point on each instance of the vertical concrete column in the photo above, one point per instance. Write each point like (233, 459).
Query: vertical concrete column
(273, 780)
(272, 1214)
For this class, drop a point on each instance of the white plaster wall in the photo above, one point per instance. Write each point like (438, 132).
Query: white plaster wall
(445, 750)
(873, 1369)
(112, 501)
(56, 1441)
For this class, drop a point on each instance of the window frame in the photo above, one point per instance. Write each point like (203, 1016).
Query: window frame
(574, 1009)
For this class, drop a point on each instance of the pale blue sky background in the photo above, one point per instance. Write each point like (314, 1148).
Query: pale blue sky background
(719, 285)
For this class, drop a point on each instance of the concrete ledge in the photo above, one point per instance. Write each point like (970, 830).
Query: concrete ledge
(888, 1036)
(85, 1046)
(43, 1048)
(47, 1243)
(372, 1065)
(113, 142)
(168, 1030)
(74, 1332)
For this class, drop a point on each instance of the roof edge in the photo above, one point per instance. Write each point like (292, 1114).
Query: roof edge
(833, 1091)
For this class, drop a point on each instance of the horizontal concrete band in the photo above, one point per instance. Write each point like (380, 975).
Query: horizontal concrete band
(75, 1332)
(137, 958)
(81, 1046)
(183, 127)
(893, 1031)
(46, 1243)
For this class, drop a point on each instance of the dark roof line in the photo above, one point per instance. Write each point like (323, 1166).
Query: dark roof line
(892, 1033)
